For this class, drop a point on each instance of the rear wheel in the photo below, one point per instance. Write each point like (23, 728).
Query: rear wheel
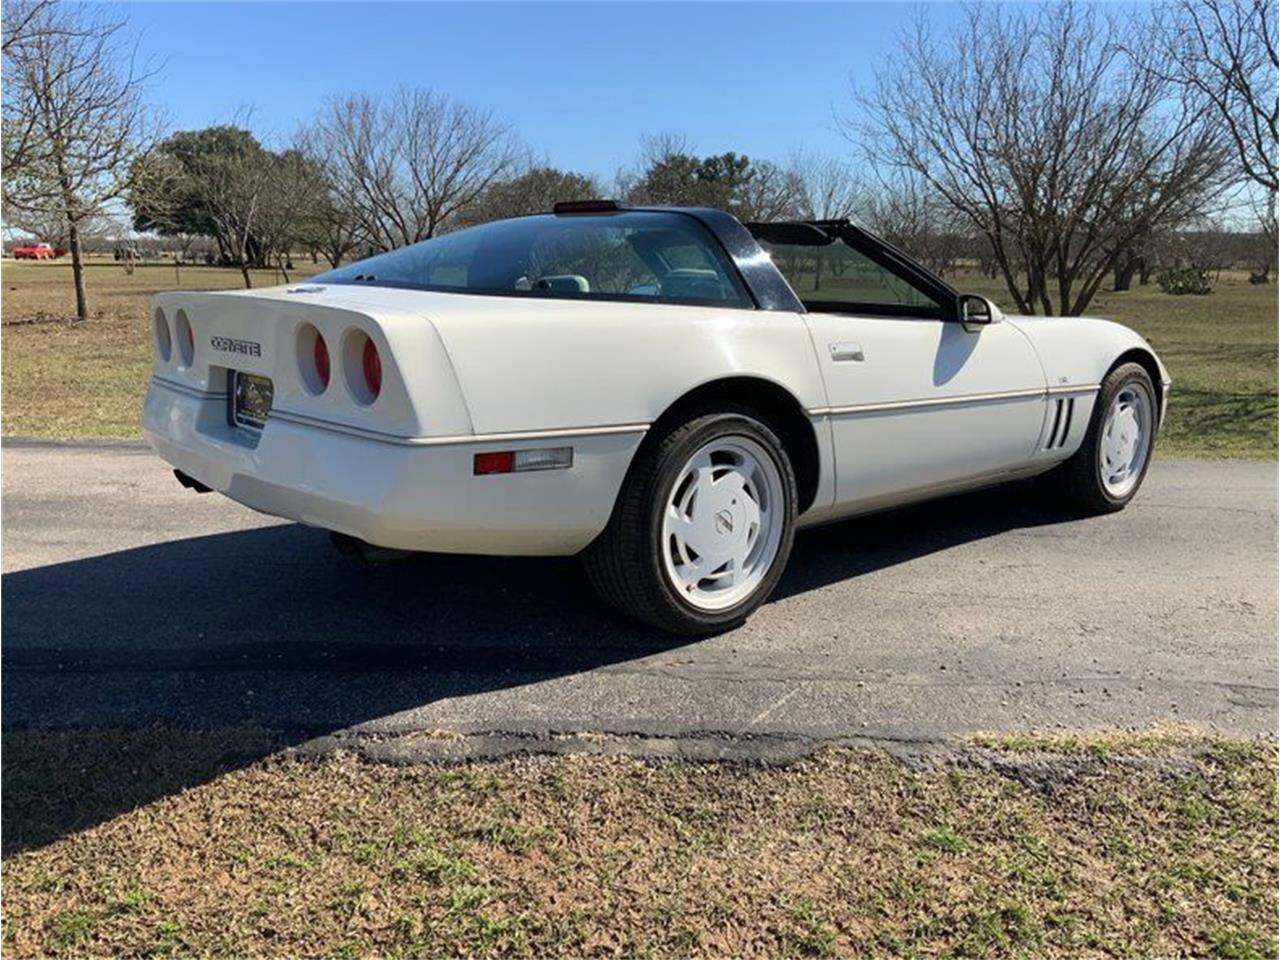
(703, 526)
(1106, 472)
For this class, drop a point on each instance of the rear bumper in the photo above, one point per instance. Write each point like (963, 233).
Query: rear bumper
(407, 495)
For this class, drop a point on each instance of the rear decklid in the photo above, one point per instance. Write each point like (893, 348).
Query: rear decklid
(201, 339)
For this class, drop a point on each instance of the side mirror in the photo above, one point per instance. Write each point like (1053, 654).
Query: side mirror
(977, 311)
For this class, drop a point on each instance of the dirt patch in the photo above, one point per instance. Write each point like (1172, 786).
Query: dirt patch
(1167, 851)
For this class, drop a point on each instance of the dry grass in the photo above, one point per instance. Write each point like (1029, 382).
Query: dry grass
(88, 381)
(1133, 848)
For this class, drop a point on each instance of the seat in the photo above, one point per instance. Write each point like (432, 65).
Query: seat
(563, 282)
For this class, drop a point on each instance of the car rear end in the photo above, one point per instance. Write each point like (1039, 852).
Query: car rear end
(307, 404)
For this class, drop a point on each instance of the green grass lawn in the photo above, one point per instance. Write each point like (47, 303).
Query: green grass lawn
(87, 380)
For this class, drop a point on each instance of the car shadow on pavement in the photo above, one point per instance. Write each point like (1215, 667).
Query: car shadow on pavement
(270, 632)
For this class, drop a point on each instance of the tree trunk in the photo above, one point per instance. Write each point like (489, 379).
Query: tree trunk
(1125, 269)
(244, 272)
(77, 270)
(1038, 290)
(1144, 271)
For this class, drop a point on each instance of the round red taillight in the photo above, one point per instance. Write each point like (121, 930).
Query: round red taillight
(320, 354)
(372, 364)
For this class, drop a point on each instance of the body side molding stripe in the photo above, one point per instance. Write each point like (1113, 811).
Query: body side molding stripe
(1075, 388)
(518, 436)
(891, 405)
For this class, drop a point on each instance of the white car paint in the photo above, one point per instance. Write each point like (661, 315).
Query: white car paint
(931, 407)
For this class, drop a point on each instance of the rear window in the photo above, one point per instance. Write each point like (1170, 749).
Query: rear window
(639, 256)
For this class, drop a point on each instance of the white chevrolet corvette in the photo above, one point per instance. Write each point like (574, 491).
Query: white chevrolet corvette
(667, 392)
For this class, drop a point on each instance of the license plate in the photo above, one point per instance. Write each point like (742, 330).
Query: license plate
(250, 400)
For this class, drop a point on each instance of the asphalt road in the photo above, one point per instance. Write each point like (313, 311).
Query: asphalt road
(128, 601)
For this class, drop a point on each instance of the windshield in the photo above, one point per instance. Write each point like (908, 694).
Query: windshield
(642, 256)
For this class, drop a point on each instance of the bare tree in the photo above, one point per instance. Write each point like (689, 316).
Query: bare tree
(73, 90)
(907, 212)
(333, 229)
(410, 165)
(536, 189)
(294, 199)
(1037, 129)
(831, 190)
(670, 174)
(1225, 52)
(769, 192)
(20, 23)
(47, 226)
(23, 19)
(898, 206)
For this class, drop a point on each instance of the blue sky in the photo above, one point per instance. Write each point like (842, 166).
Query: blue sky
(580, 83)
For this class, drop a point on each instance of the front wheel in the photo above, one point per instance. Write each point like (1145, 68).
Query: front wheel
(1106, 472)
(703, 526)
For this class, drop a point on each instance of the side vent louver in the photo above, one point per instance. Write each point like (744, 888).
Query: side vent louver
(1062, 411)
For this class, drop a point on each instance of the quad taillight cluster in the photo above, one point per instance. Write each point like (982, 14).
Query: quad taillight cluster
(358, 358)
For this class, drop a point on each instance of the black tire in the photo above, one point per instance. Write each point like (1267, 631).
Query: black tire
(625, 563)
(1079, 479)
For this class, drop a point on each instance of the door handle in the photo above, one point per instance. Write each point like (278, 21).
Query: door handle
(846, 350)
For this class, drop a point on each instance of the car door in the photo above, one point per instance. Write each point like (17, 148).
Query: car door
(917, 401)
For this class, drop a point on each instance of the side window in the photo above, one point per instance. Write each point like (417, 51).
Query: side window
(835, 273)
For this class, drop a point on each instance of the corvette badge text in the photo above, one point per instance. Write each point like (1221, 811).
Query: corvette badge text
(249, 348)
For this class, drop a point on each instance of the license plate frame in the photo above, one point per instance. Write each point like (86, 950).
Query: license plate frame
(251, 397)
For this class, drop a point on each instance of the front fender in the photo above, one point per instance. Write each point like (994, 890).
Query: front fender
(1079, 351)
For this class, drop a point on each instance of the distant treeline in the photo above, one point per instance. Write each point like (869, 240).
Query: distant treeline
(1057, 147)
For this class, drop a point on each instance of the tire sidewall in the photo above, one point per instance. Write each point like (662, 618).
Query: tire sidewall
(701, 431)
(1130, 373)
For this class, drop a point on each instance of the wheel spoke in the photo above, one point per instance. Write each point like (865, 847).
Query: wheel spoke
(751, 513)
(691, 574)
(683, 529)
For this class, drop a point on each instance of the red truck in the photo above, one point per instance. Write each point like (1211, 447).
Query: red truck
(37, 251)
